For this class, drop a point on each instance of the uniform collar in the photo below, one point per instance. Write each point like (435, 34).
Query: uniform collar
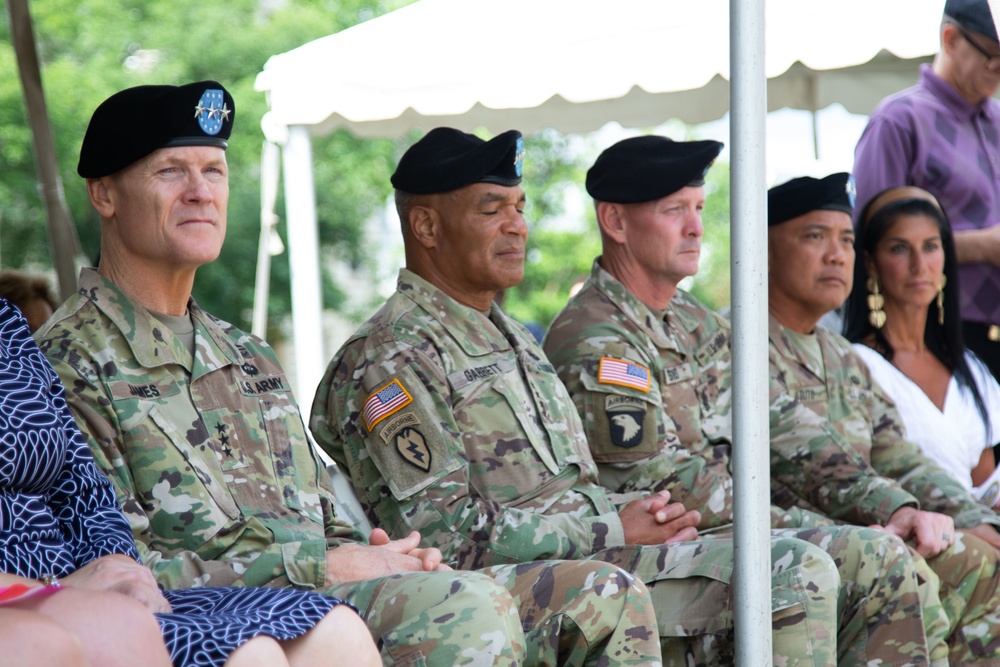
(151, 342)
(475, 332)
(782, 342)
(642, 316)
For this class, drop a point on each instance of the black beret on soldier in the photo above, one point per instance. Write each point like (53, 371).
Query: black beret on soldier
(134, 122)
(799, 196)
(647, 168)
(447, 159)
(972, 14)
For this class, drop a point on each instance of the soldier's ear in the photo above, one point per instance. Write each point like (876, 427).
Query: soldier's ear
(100, 196)
(611, 219)
(425, 225)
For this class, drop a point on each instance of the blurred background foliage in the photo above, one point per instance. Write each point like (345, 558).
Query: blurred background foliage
(92, 48)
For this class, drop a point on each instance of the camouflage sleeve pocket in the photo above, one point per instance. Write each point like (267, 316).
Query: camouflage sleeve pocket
(404, 437)
(621, 422)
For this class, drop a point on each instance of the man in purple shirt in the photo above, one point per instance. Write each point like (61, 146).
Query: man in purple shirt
(943, 135)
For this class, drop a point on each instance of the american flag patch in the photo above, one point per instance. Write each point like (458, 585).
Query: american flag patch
(384, 402)
(624, 373)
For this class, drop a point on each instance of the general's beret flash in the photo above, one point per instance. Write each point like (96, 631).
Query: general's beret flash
(647, 168)
(134, 122)
(447, 159)
(801, 195)
(972, 14)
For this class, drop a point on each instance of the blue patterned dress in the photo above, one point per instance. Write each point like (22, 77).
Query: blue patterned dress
(58, 513)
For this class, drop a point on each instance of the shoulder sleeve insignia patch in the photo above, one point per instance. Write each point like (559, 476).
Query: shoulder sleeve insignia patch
(413, 448)
(385, 401)
(623, 373)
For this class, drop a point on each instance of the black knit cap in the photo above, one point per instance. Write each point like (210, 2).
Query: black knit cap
(447, 159)
(134, 122)
(647, 168)
(972, 14)
(801, 195)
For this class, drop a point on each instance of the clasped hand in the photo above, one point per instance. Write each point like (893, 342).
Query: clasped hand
(381, 557)
(655, 520)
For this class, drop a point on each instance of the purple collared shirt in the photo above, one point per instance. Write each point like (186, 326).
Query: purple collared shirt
(931, 137)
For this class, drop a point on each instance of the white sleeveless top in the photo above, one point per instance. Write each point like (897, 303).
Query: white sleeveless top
(955, 437)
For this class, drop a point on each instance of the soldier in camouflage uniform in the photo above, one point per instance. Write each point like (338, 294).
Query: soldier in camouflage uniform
(448, 419)
(811, 247)
(195, 423)
(664, 423)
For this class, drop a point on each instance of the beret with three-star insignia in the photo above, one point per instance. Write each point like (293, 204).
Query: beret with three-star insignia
(134, 122)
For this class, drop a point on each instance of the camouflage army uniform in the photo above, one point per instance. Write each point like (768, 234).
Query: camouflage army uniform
(667, 426)
(451, 421)
(825, 373)
(210, 459)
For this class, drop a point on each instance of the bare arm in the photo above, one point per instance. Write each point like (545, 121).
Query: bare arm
(978, 246)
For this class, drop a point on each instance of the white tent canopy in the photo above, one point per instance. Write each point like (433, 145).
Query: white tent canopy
(577, 64)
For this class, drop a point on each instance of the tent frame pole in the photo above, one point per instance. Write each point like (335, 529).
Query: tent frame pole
(303, 255)
(751, 479)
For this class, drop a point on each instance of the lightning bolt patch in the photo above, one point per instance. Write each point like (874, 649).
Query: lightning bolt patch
(413, 448)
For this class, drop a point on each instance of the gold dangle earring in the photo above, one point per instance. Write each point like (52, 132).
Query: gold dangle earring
(940, 300)
(876, 316)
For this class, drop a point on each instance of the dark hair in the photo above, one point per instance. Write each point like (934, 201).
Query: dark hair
(944, 341)
(19, 288)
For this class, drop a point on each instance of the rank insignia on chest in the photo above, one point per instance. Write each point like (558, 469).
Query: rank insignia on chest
(385, 401)
(413, 448)
(623, 373)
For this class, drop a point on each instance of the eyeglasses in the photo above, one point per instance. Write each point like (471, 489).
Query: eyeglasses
(991, 58)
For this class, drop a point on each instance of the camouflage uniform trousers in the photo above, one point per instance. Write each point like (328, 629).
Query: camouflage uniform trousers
(888, 603)
(571, 613)
(804, 604)
(969, 574)
(582, 613)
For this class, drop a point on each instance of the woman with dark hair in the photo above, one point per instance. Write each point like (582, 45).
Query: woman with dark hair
(71, 589)
(903, 318)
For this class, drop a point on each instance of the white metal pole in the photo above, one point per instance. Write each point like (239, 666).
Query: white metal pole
(270, 166)
(303, 254)
(751, 483)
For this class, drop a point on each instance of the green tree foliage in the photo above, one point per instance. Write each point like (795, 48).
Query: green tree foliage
(711, 284)
(91, 48)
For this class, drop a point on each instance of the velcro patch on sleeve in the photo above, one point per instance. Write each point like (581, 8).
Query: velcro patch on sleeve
(623, 373)
(385, 402)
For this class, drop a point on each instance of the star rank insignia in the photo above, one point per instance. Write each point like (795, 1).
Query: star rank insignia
(211, 111)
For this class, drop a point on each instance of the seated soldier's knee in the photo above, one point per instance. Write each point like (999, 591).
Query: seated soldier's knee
(813, 563)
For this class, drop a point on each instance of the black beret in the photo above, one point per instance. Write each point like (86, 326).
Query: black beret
(801, 195)
(972, 14)
(447, 159)
(647, 168)
(134, 122)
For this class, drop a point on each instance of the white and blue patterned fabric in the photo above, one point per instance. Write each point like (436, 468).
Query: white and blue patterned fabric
(58, 513)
